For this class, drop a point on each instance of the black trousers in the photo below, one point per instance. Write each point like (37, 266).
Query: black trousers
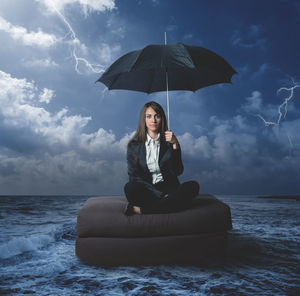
(178, 199)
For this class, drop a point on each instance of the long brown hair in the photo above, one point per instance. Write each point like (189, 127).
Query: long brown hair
(141, 132)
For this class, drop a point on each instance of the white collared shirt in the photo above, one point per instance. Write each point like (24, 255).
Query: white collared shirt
(152, 154)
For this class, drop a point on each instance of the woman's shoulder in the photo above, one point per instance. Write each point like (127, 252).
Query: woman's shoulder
(134, 143)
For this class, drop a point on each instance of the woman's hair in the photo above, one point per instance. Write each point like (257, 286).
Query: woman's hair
(141, 132)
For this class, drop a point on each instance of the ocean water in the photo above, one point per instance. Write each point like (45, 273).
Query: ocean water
(37, 253)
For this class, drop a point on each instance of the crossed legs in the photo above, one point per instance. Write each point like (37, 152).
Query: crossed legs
(144, 201)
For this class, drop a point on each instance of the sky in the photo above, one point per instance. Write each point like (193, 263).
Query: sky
(61, 133)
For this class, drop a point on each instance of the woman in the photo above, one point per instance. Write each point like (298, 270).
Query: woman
(154, 162)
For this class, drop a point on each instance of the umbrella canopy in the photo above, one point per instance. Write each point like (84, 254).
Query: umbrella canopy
(187, 68)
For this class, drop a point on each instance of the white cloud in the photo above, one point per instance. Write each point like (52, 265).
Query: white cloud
(63, 173)
(269, 114)
(46, 95)
(255, 31)
(196, 147)
(263, 68)
(250, 39)
(87, 6)
(106, 53)
(227, 142)
(19, 107)
(19, 33)
(116, 26)
(79, 50)
(255, 107)
(69, 160)
(253, 103)
(40, 63)
(235, 156)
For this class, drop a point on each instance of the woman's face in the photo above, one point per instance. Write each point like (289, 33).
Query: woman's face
(153, 120)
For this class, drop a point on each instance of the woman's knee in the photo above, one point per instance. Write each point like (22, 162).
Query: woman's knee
(130, 190)
(127, 188)
(133, 190)
(196, 187)
(193, 187)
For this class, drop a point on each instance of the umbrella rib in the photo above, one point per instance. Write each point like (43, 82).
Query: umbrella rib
(114, 80)
(188, 53)
(191, 83)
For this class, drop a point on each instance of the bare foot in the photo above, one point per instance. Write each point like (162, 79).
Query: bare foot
(137, 210)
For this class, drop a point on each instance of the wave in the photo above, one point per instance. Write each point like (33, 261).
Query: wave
(19, 245)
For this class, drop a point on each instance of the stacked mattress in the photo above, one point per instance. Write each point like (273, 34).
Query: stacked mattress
(106, 237)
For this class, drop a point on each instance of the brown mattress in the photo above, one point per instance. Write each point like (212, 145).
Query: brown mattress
(105, 236)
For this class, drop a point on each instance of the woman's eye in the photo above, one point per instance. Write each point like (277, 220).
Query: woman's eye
(157, 116)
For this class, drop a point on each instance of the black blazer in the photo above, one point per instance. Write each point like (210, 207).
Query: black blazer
(169, 161)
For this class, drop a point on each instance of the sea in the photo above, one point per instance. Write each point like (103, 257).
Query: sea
(37, 253)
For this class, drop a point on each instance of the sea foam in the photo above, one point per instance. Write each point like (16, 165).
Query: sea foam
(19, 245)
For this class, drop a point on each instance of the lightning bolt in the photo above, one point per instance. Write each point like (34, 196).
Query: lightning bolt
(283, 114)
(96, 68)
(284, 105)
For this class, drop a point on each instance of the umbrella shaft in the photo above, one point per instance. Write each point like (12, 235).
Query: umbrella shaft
(168, 108)
(167, 85)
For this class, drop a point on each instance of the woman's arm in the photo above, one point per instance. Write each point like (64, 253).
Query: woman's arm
(176, 153)
(177, 161)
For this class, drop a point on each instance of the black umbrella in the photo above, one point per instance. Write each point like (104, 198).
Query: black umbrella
(167, 67)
